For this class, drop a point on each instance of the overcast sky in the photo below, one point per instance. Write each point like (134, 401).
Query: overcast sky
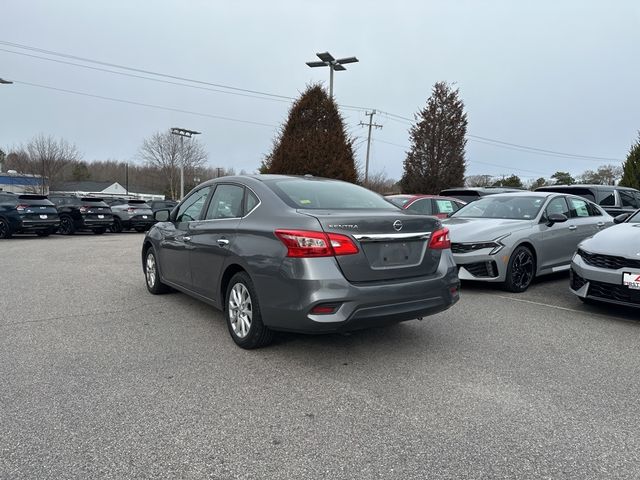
(551, 74)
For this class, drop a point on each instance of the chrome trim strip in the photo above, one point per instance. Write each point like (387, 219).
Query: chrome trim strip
(389, 237)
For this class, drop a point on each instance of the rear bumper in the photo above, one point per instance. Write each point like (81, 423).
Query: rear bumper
(97, 222)
(138, 221)
(286, 301)
(36, 225)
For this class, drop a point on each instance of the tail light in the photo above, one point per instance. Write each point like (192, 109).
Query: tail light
(131, 210)
(303, 243)
(21, 207)
(84, 209)
(440, 239)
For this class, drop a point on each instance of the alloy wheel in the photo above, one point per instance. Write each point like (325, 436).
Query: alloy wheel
(4, 229)
(522, 268)
(65, 225)
(240, 310)
(150, 270)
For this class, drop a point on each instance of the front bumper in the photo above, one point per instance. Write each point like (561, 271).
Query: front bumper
(286, 301)
(601, 284)
(481, 266)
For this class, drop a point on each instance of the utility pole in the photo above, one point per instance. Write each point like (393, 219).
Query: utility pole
(370, 125)
(126, 177)
(182, 132)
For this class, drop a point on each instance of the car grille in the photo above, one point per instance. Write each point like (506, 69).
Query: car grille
(576, 281)
(608, 261)
(482, 269)
(610, 291)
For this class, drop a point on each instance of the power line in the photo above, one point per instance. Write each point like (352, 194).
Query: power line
(149, 105)
(159, 80)
(502, 144)
(470, 161)
(139, 70)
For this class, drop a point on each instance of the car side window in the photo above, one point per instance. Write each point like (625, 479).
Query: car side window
(608, 200)
(594, 211)
(558, 205)
(251, 201)
(191, 208)
(421, 206)
(579, 207)
(226, 202)
(446, 206)
(628, 200)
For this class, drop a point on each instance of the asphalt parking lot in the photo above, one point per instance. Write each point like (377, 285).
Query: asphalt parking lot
(99, 379)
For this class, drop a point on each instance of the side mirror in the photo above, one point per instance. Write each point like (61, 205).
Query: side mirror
(621, 218)
(162, 215)
(556, 218)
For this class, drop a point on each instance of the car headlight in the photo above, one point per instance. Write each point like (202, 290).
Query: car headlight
(498, 244)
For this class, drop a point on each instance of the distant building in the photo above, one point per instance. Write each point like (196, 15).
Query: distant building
(15, 182)
(106, 190)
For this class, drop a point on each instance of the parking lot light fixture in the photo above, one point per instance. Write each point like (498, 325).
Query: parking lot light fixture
(5, 82)
(183, 132)
(327, 60)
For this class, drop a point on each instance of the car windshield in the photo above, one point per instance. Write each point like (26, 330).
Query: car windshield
(328, 195)
(635, 218)
(515, 207)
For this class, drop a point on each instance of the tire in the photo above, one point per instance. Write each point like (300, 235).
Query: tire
(151, 274)
(43, 233)
(5, 229)
(521, 270)
(99, 231)
(66, 225)
(117, 225)
(242, 313)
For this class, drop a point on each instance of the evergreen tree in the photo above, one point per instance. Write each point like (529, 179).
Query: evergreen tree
(631, 167)
(510, 181)
(313, 140)
(563, 178)
(436, 159)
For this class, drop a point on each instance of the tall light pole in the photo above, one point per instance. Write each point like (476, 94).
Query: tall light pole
(182, 132)
(327, 60)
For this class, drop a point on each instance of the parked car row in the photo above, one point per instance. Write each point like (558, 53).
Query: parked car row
(68, 214)
(314, 255)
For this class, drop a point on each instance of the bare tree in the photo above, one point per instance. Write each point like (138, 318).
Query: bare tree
(379, 182)
(44, 155)
(163, 151)
(479, 181)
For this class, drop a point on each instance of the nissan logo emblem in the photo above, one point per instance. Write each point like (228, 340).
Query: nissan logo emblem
(397, 225)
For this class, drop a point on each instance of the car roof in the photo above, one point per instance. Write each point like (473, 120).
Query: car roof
(415, 196)
(526, 194)
(578, 186)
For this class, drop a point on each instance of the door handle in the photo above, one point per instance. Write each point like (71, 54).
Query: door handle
(572, 227)
(600, 224)
(186, 239)
(223, 242)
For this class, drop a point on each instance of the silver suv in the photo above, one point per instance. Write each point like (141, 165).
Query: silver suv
(131, 214)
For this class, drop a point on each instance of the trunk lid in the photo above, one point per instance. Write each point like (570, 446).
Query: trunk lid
(36, 207)
(392, 244)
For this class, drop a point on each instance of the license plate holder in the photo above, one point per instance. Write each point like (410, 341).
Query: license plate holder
(631, 280)
(44, 217)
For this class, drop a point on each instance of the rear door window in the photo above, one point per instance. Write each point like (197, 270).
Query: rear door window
(579, 208)
(446, 206)
(628, 199)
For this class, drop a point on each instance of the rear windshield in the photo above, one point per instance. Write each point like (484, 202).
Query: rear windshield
(138, 202)
(508, 207)
(399, 200)
(93, 202)
(327, 195)
(464, 195)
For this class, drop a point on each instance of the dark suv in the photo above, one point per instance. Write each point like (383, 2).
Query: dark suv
(131, 214)
(471, 194)
(82, 213)
(615, 200)
(162, 205)
(27, 213)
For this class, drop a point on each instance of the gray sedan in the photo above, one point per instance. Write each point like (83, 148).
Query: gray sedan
(301, 254)
(511, 238)
(606, 267)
